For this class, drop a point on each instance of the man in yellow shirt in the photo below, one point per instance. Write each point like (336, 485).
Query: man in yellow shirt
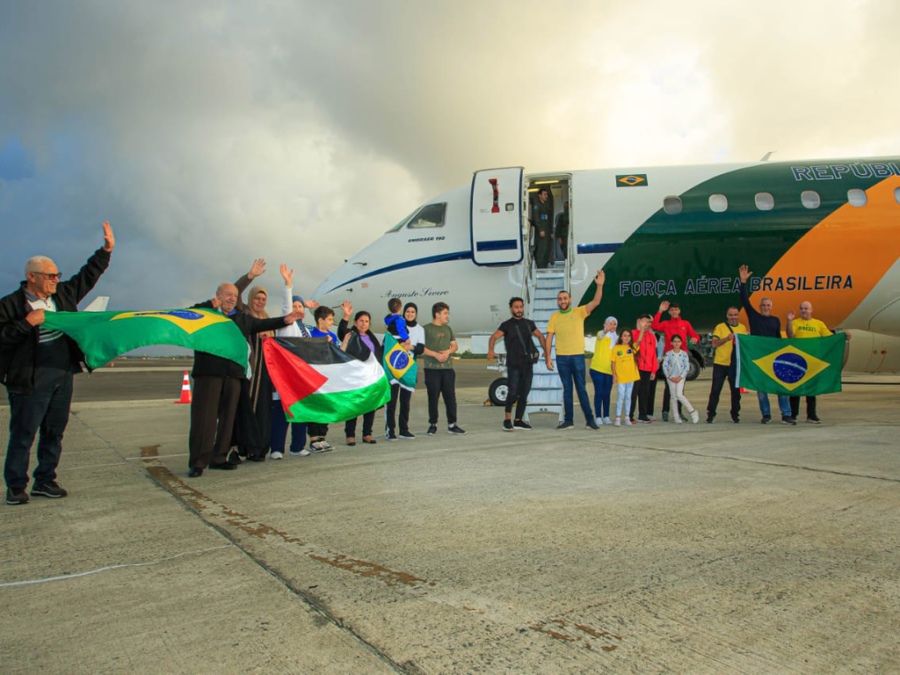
(568, 325)
(806, 327)
(725, 365)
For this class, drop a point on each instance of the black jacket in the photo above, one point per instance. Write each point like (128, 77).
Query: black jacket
(356, 347)
(19, 339)
(210, 365)
(765, 326)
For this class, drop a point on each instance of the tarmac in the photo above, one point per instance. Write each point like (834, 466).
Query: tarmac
(655, 548)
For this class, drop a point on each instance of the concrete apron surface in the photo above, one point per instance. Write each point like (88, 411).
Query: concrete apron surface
(656, 548)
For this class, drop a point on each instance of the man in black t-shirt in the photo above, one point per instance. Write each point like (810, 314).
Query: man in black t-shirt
(521, 355)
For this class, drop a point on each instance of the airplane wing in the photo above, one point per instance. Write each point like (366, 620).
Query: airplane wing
(98, 304)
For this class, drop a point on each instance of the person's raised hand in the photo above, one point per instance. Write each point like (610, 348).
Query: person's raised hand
(35, 317)
(296, 315)
(664, 305)
(109, 239)
(310, 304)
(216, 303)
(745, 273)
(287, 275)
(791, 315)
(600, 278)
(257, 269)
(347, 306)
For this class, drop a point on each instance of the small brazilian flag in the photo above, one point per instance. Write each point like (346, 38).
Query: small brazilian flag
(797, 367)
(399, 365)
(103, 336)
(631, 180)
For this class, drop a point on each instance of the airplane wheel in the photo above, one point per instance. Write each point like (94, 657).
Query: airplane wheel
(499, 391)
(694, 372)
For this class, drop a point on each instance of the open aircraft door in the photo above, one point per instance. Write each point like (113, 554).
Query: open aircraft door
(496, 216)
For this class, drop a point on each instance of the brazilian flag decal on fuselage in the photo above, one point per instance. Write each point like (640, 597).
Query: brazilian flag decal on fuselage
(631, 180)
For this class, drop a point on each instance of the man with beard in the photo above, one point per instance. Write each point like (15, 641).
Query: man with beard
(521, 355)
(568, 323)
(542, 222)
(725, 365)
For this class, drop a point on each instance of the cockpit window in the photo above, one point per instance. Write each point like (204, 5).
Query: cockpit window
(399, 225)
(430, 215)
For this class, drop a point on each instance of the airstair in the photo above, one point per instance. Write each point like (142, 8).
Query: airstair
(546, 389)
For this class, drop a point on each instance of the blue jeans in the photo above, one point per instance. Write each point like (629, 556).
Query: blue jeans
(280, 427)
(784, 404)
(602, 391)
(571, 368)
(47, 410)
(624, 398)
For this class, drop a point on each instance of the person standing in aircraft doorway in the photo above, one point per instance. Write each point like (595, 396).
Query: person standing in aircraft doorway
(542, 225)
(569, 324)
(561, 235)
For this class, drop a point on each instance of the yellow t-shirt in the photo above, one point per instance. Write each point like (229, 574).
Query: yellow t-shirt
(723, 351)
(811, 328)
(569, 329)
(626, 366)
(602, 356)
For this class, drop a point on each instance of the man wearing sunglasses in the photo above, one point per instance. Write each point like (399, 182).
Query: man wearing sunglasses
(37, 365)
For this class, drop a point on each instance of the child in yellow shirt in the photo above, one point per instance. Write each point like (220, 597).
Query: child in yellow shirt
(625, 370)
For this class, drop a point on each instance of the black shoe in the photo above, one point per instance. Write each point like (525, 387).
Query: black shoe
(390, 436)
(432, 429)
(195, 473)
(665, 417)
(371, 441)
(591, 424)
(507, 425)
(254, 458)
(53, 490)
(14, 497)
(234, 457)
(565, 426)
(351, 443)
(456, 429)
(736, 420)
(406, 435)
(812, 419)
(224, 466)
(519, 424)
(766, 419)
(789, 421)
(710, 419)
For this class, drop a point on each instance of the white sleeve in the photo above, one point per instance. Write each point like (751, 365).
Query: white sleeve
(287, 305)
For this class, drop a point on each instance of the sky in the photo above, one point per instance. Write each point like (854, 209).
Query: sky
(209, 133)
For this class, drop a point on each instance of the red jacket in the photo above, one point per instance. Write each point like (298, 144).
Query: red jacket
(646, 353)
(674, 327)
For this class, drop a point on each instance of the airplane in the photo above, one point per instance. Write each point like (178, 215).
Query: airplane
(826, 231)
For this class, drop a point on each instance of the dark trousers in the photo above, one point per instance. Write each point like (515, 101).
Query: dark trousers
(253, 419)
(368, 421)
(643, 395)
(520, 379)
(441, 382)
(667, 397)
(602, 392)
(572, 370)
(317, 430)
(402, 395)
(810, 406)
(719, 375)
(280, 428)
(46, 409)
(212, 419)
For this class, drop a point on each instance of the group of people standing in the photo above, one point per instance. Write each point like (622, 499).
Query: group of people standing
(636, 359)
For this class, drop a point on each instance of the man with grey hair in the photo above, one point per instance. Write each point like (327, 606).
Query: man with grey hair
(763, 323)
(37, 368)
(217, 386)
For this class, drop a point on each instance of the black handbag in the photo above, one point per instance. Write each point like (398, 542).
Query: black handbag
(532, 353)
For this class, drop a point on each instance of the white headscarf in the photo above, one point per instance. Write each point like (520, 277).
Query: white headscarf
(613, 336)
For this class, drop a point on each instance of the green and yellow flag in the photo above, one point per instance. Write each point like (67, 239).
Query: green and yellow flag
(796, 367)
(103, 336)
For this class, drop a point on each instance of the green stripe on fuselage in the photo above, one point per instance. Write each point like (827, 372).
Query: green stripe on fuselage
(677, 251)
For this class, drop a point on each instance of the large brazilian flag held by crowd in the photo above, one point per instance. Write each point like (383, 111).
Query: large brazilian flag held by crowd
(103, 336)
(791, 367)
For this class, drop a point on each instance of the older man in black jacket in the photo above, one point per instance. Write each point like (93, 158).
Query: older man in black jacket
(217, 387)
(37, 366)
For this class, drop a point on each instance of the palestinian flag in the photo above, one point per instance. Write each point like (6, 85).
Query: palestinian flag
(317, 382)
(103, 336)
(400, 366)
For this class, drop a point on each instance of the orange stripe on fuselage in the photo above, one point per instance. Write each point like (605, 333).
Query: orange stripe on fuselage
(862, 242)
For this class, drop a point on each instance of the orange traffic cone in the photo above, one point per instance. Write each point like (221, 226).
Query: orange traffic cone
(185, 389)
(744, 391)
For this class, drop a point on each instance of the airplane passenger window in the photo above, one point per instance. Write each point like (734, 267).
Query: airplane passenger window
(765, 201)
(718, 203)
(810, 199)
(672, 205)
(857, 197)
(897, 194)
(431, 215)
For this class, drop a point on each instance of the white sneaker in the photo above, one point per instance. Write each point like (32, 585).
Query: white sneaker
(677, 419)
(695, 417)
(627, 422)
(606, 420)
(277, 455)
(618, 422)
(599, 421)
(303, 453)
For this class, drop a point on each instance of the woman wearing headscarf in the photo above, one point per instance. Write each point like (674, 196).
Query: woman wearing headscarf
(601, 369)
